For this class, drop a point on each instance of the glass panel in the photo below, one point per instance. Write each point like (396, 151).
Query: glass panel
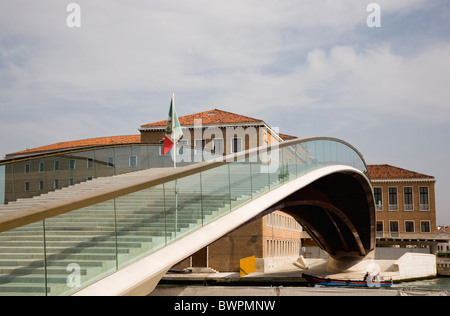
(260, 179)
(105, 162)
(291, 157)
(2, 184)
(319, 151)
(215, 193)
(275, 169)
(240, 183)
(302, 158)
(84, 245)
(122, 159)
(136, 160)
(22, 264)
(326, 151)
(183, 206)
(189, 198)
(310, 148)
(80, 247)
(140, 223)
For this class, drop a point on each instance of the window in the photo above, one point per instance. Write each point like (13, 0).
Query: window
(90, 163)
(199, 145)
(71, 181)
(409, 226)
(182, 144)
(378, 193)
(379, 229)
(425, 227)
(110, 163)
(393, 204)
(41, 185)
(27, 168)
(72, 164)
(236, 144)
(393, 228)
(56, 165)
(27, 186)
(218, 145)
(408, 198)
(379, 226)
(133, 161)
(56, 184)
(41, 167)
(424, 200)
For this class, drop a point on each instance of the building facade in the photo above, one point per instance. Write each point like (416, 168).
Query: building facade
(405, 208)
(405, 202)
(218, 131)
(274, 240)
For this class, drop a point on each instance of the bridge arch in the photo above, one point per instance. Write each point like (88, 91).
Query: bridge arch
(162, 260)
(190, 207)
(337, 211)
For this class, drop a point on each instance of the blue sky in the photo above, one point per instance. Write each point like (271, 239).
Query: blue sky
(311, 68)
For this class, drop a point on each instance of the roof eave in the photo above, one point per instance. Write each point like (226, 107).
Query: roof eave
(216, 125)
(403, 180)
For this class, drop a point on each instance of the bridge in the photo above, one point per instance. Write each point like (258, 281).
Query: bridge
(118, 235)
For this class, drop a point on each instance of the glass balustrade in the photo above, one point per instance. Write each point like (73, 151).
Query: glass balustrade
(62, 254)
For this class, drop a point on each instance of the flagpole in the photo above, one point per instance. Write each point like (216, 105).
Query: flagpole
(173, 122)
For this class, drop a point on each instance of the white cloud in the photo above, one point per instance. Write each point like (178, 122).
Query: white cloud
(381, 81)
(150, 45)
(243, 56)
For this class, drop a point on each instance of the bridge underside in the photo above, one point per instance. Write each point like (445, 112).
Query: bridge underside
(338, 213)
(334, 204)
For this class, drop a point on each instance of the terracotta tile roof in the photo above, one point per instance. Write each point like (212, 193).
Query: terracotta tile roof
(287, 137)
(211, 117)
(390, 172)
(110, 140)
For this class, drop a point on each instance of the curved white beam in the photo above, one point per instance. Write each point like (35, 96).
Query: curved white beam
(141, 278)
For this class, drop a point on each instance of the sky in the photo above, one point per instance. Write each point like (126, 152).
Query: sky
(309, 67)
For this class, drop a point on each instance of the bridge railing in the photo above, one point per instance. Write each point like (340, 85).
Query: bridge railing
(36, 174)
(59, 255)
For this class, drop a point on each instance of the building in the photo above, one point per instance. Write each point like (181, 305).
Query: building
(405, 206)
(274, 240)
(217, 131)
(404, 201)
(405, 217)
(40, 170)
(406, 210)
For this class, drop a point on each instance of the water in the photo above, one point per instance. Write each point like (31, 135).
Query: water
(429, 287)
(435, 284)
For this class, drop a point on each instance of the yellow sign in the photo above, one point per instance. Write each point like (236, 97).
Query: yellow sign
(247, 266)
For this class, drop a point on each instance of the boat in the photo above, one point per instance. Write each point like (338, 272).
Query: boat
(372, 281)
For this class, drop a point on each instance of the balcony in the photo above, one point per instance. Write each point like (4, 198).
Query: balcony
(408, 207)
(408, 236)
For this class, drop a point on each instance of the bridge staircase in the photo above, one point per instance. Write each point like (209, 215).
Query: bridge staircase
(64, 241)
(135, 225)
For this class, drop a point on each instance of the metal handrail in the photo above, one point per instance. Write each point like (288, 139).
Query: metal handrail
(28, 215)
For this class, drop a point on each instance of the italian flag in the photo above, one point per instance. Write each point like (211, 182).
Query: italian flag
(173, 129)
